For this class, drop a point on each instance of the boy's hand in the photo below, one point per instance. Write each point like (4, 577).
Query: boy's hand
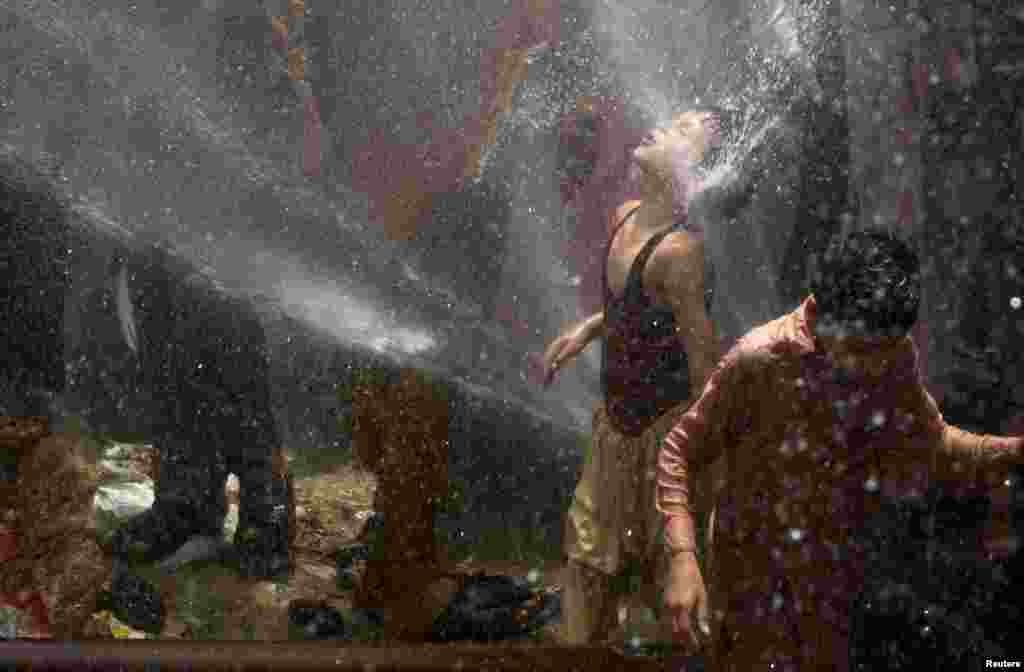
(687, 601)
(561, 350)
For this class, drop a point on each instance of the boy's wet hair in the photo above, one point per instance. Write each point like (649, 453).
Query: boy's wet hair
(867, 284)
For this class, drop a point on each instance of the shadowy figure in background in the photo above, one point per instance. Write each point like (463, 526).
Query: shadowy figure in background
(34, 266)
(660, 348)
(820, 416)
(52, 565)
(203, 377)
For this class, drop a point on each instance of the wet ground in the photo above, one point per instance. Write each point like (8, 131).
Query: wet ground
(210, 601)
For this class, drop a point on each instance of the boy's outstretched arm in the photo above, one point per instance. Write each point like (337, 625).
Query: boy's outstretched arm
(959, 454)
(985, 456)
(570, 343)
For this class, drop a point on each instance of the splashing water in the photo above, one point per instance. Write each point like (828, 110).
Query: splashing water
(159, 149)
(755, 60)
(163, 151)
(725, 169)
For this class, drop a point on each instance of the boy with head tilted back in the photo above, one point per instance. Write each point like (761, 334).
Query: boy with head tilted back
(659, 349)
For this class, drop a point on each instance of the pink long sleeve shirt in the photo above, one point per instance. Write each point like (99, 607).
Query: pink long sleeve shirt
(808, 455)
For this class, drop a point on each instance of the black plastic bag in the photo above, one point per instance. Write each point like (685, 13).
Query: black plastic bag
(490, 608)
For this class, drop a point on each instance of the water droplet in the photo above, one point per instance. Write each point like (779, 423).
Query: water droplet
(878, 418)
(777, 601)
(871, 485)
(1015, 302)
(795, 534)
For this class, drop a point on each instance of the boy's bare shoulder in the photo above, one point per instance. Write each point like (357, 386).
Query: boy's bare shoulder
(678, 260)
(624, 209)
(683, 245)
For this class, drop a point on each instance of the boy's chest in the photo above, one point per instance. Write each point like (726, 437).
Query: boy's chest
(822, 452)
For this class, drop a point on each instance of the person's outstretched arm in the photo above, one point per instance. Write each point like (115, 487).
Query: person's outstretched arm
(983, 451)
(959, 454)
(570, 343)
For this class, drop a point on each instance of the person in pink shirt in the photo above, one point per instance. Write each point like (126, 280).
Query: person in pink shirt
(820, 415)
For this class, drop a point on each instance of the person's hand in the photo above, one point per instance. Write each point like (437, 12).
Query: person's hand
(561, 350)
(687, 601)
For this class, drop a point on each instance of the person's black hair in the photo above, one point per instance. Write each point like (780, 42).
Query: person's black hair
(867, 284)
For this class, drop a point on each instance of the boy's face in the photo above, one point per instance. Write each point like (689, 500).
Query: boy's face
(684, 140)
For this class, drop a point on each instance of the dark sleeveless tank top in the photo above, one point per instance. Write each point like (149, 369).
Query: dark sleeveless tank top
(645, 368)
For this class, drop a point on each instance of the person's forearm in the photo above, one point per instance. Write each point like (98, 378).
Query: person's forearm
(594, 326)
(981, 452)
(680, 533)
(675, 474)
(693, 447)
